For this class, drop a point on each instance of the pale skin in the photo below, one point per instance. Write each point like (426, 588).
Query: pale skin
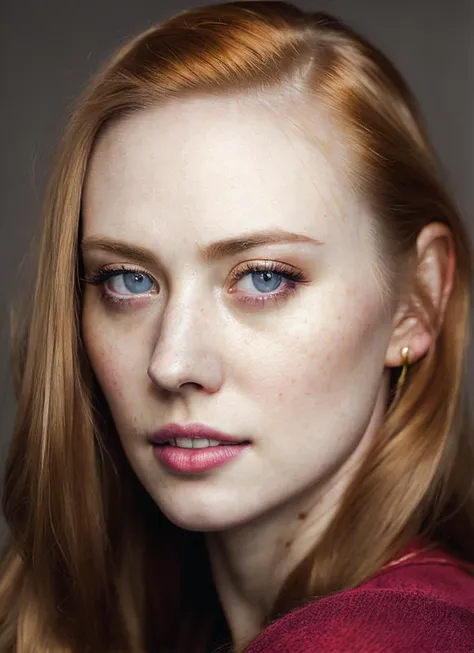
(305, 379)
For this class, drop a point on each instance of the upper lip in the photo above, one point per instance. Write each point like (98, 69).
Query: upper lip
(172, 431)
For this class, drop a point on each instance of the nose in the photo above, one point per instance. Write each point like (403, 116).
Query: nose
(186, 351)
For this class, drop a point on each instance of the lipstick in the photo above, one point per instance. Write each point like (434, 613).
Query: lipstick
(195, 448)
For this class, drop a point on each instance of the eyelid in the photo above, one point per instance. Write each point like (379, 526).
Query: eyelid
(106, 272)
(294, 278)
(269, 265)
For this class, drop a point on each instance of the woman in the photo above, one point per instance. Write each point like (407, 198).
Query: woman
(241, 420)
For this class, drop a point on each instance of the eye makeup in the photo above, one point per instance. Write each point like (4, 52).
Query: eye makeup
(266, 270)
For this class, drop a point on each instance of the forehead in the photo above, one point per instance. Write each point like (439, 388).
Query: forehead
(218, 165)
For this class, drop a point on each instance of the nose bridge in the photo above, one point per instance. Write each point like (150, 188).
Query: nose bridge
(186, 350)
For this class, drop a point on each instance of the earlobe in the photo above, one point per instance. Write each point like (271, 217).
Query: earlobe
(419, 317)
(418, 340)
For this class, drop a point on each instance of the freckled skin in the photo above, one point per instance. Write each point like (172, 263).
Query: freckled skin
(304, 379)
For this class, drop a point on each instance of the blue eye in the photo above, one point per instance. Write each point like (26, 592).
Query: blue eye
(265, 277)
(266, 280)
(135, 282)
(254, 283)
(124, 282)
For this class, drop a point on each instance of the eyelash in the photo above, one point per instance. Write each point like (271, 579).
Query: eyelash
(292, 275)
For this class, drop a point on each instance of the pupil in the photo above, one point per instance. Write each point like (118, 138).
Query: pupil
(267, 280)
(136, 282)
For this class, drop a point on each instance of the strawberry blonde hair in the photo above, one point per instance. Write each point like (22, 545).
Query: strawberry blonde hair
(91, 564)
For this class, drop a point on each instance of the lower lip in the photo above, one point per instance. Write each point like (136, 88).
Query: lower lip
(197, 460)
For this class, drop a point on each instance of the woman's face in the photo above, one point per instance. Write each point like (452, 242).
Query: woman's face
(293, 364)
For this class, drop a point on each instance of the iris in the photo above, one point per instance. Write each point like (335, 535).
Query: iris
(261, 278)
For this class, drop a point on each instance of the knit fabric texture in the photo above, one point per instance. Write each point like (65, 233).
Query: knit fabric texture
(422, 603)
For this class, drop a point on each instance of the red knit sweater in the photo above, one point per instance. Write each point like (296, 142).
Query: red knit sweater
(422, 602)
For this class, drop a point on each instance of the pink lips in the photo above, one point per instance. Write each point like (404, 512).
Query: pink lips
(195, 460)
(172, 431)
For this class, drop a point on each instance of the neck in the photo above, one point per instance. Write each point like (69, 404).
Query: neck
(250, 563)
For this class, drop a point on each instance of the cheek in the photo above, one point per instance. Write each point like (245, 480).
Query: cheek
(109, 372)
(323, 356)
(110, 363)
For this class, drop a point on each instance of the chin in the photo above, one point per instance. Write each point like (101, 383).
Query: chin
(198, 524)
(198, 516)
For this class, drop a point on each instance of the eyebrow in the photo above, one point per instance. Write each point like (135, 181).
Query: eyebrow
(226, 247)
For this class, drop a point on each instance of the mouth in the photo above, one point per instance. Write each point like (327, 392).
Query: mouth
(197, 454)
(194, 436)
(198, 443)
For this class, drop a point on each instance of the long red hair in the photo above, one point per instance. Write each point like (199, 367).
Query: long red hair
(83, 567)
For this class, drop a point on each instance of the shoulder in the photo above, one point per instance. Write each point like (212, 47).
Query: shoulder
(425, 606)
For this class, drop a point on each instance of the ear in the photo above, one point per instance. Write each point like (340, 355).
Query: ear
(415, 324)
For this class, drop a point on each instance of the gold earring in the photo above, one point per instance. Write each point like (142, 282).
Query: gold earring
(401, 379)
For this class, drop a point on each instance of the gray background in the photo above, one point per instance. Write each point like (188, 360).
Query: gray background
(50, 48)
